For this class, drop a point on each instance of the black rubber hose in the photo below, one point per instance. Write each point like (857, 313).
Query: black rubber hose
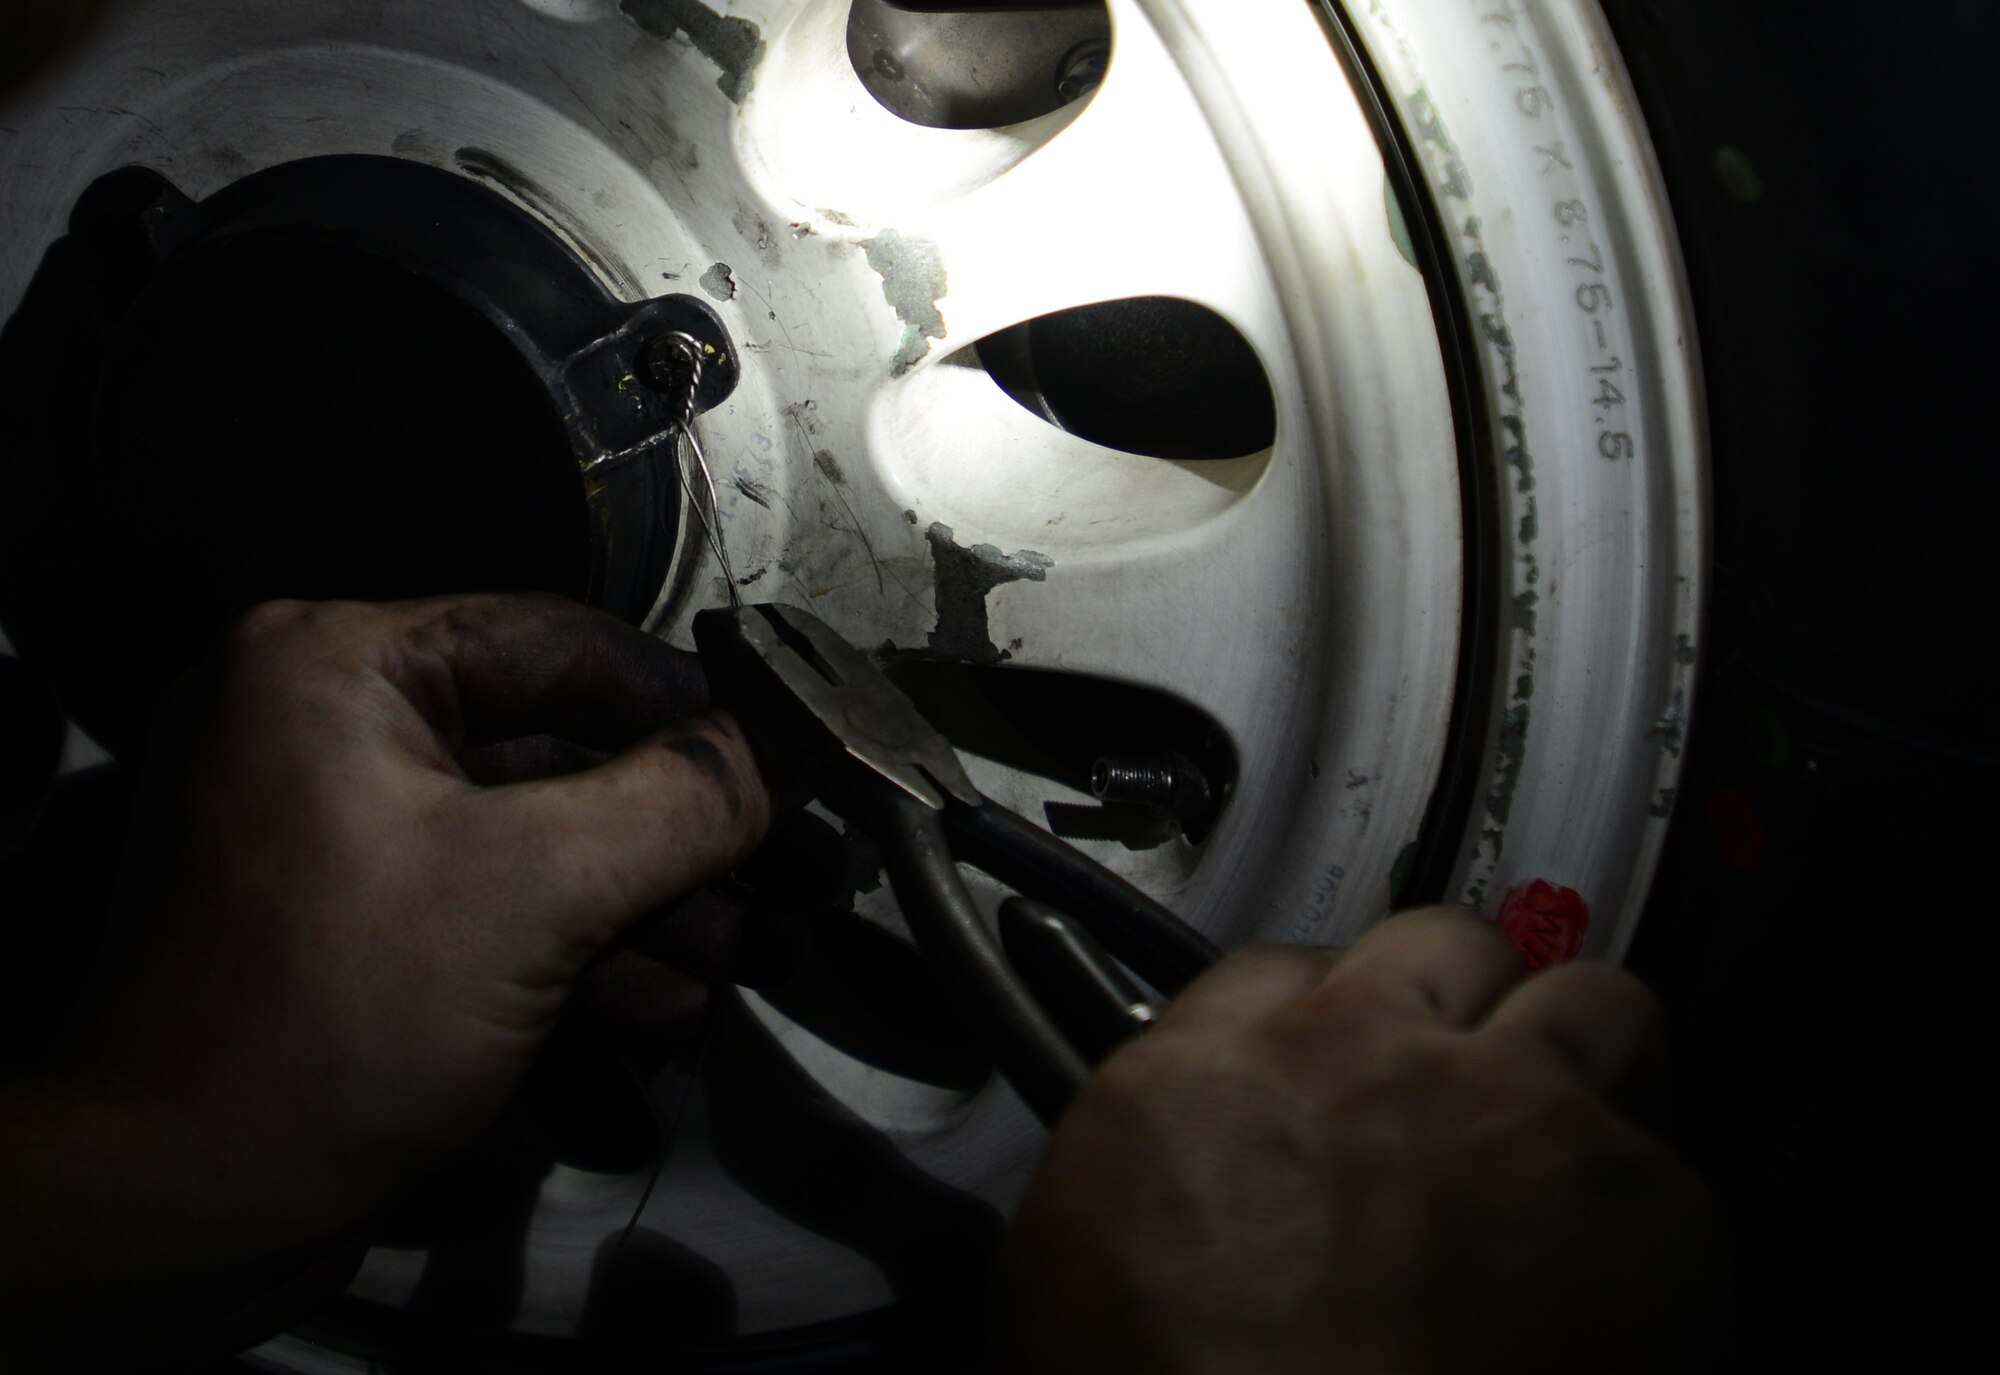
(1137, 931)
(969, 963)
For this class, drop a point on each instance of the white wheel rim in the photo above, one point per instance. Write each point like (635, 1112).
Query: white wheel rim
(1310, 599)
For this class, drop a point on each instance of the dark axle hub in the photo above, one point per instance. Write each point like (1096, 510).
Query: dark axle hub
(343, 377)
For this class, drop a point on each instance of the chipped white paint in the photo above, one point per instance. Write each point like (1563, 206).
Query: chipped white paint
(1309, 597)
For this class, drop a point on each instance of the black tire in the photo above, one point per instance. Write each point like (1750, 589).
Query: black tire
(1841, 776)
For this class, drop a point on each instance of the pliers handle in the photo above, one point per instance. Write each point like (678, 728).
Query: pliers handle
(806, 696)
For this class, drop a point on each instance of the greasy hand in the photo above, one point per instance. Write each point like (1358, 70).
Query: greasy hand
(1397, 1160)
(344, 952)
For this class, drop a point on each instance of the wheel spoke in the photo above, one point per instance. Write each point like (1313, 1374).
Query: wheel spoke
(972, 455)
(1142, 608)
(1132, 199)
(813, 137)
(972, 231)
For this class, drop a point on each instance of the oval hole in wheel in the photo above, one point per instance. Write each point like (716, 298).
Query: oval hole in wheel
(978, 68)
(1155, 376)
(1061, 726)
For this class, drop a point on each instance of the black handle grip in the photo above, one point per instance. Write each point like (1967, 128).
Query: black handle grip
(1030, 1049)
(1140, 933)
(1094, 1001)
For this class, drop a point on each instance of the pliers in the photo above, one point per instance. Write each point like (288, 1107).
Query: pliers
(1052, 995)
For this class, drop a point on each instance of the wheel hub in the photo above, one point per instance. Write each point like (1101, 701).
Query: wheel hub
(343, 377)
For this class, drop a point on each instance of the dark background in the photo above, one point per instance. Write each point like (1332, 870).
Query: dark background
(1817, 924)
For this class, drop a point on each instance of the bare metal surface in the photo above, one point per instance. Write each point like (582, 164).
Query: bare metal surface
(1308, 598)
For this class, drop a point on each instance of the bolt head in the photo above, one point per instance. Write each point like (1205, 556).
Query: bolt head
(669, 362)
(1082, 70)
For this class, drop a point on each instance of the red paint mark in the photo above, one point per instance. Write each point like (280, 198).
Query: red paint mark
(1738, 830)
(1545, 923)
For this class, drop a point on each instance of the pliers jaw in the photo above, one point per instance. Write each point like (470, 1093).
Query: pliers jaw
(806, 695)
(1054, 1000)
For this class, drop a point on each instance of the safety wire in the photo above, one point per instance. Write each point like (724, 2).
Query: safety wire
(687, 355)
(687, 352)
(670, 1123)
(685, 367)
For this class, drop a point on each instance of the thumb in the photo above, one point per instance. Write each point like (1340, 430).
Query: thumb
(674, 811)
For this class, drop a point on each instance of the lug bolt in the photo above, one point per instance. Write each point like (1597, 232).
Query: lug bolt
(1148, 780)
(671, 360)
(1082, 70)
(1170, 782)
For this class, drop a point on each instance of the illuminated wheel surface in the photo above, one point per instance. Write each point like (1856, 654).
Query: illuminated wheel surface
(1395, 514)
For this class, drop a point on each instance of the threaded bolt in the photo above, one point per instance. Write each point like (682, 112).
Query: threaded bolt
(1147, 780)
(1170, 783)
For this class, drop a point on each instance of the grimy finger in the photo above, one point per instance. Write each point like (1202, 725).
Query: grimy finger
(1597, 1018)
(1441, 963)
(527, 758)
(489, 668)
(1248, 986)
(614, 843)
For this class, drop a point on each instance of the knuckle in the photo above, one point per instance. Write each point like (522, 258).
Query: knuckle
(1608, 987)
(477, 613)
(1139, 1073)
(1622, 983)
(441, 639)
(1359, 1003)
(1303, 958)
(1151, 1074)
(1520, 1061)
(552, 604)
(1460, 927)
(1463, 918)
(286, 620)
(264, 622)
(1471, 928)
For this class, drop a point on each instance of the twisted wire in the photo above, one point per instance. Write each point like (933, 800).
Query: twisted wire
(688, 353)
